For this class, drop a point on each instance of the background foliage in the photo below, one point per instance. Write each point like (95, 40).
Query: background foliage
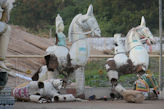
(113, 16)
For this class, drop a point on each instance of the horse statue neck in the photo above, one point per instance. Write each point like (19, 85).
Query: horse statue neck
(77, 30)
(119, 49)
(119, 46)
(132, 39)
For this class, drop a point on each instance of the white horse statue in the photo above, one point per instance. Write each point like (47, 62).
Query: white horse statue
(71, 62)
(42, 92)
(137, 59)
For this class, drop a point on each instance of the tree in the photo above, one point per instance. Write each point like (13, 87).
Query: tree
(113, 16)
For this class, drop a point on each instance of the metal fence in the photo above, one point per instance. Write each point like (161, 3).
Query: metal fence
(95, 73)
(24, 65)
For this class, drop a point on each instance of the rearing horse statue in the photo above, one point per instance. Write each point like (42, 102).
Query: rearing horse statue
(137, 59)
(60, 59)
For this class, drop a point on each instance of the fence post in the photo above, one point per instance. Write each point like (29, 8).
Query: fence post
(160, 34)
(50, 33)
(17, 79)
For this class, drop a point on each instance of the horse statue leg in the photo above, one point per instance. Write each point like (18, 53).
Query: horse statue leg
(112, 76)
(80, 81)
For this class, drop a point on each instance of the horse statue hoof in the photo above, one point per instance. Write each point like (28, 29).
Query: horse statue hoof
(82, 96)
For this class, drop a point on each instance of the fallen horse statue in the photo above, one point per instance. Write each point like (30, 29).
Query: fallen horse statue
(132, 96)
(146, 87)
(42, 92)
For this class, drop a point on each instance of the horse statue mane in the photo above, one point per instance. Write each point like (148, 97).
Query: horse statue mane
(83, 25)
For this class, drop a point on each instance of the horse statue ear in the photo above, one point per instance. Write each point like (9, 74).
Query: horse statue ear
(89, 13)
(143, 22)
(90, 10)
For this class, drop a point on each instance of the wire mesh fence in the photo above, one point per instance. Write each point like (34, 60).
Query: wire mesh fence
(95, 73)
(22, 66)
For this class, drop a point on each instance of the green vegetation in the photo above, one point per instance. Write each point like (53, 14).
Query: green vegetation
(95, 74)
(113, 15)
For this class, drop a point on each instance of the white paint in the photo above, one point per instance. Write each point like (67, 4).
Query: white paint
(120, 56)
(59, 24)
(107, 66)
(112, 74)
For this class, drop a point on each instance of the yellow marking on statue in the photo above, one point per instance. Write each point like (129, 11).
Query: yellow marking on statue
(22, 85)
(148, 71)
(28, 72)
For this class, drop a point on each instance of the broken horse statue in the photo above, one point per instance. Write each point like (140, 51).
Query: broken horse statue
(60, 59)
(121, 65)
(137, 60)
(148, 85)
(6, 100)
(42, 92)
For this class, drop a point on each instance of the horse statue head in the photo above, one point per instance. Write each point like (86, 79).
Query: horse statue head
(59, 24)
(83, 26)
(139, 35)
(144, 33)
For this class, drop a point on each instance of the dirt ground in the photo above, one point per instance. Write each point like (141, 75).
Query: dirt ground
(148, 104)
